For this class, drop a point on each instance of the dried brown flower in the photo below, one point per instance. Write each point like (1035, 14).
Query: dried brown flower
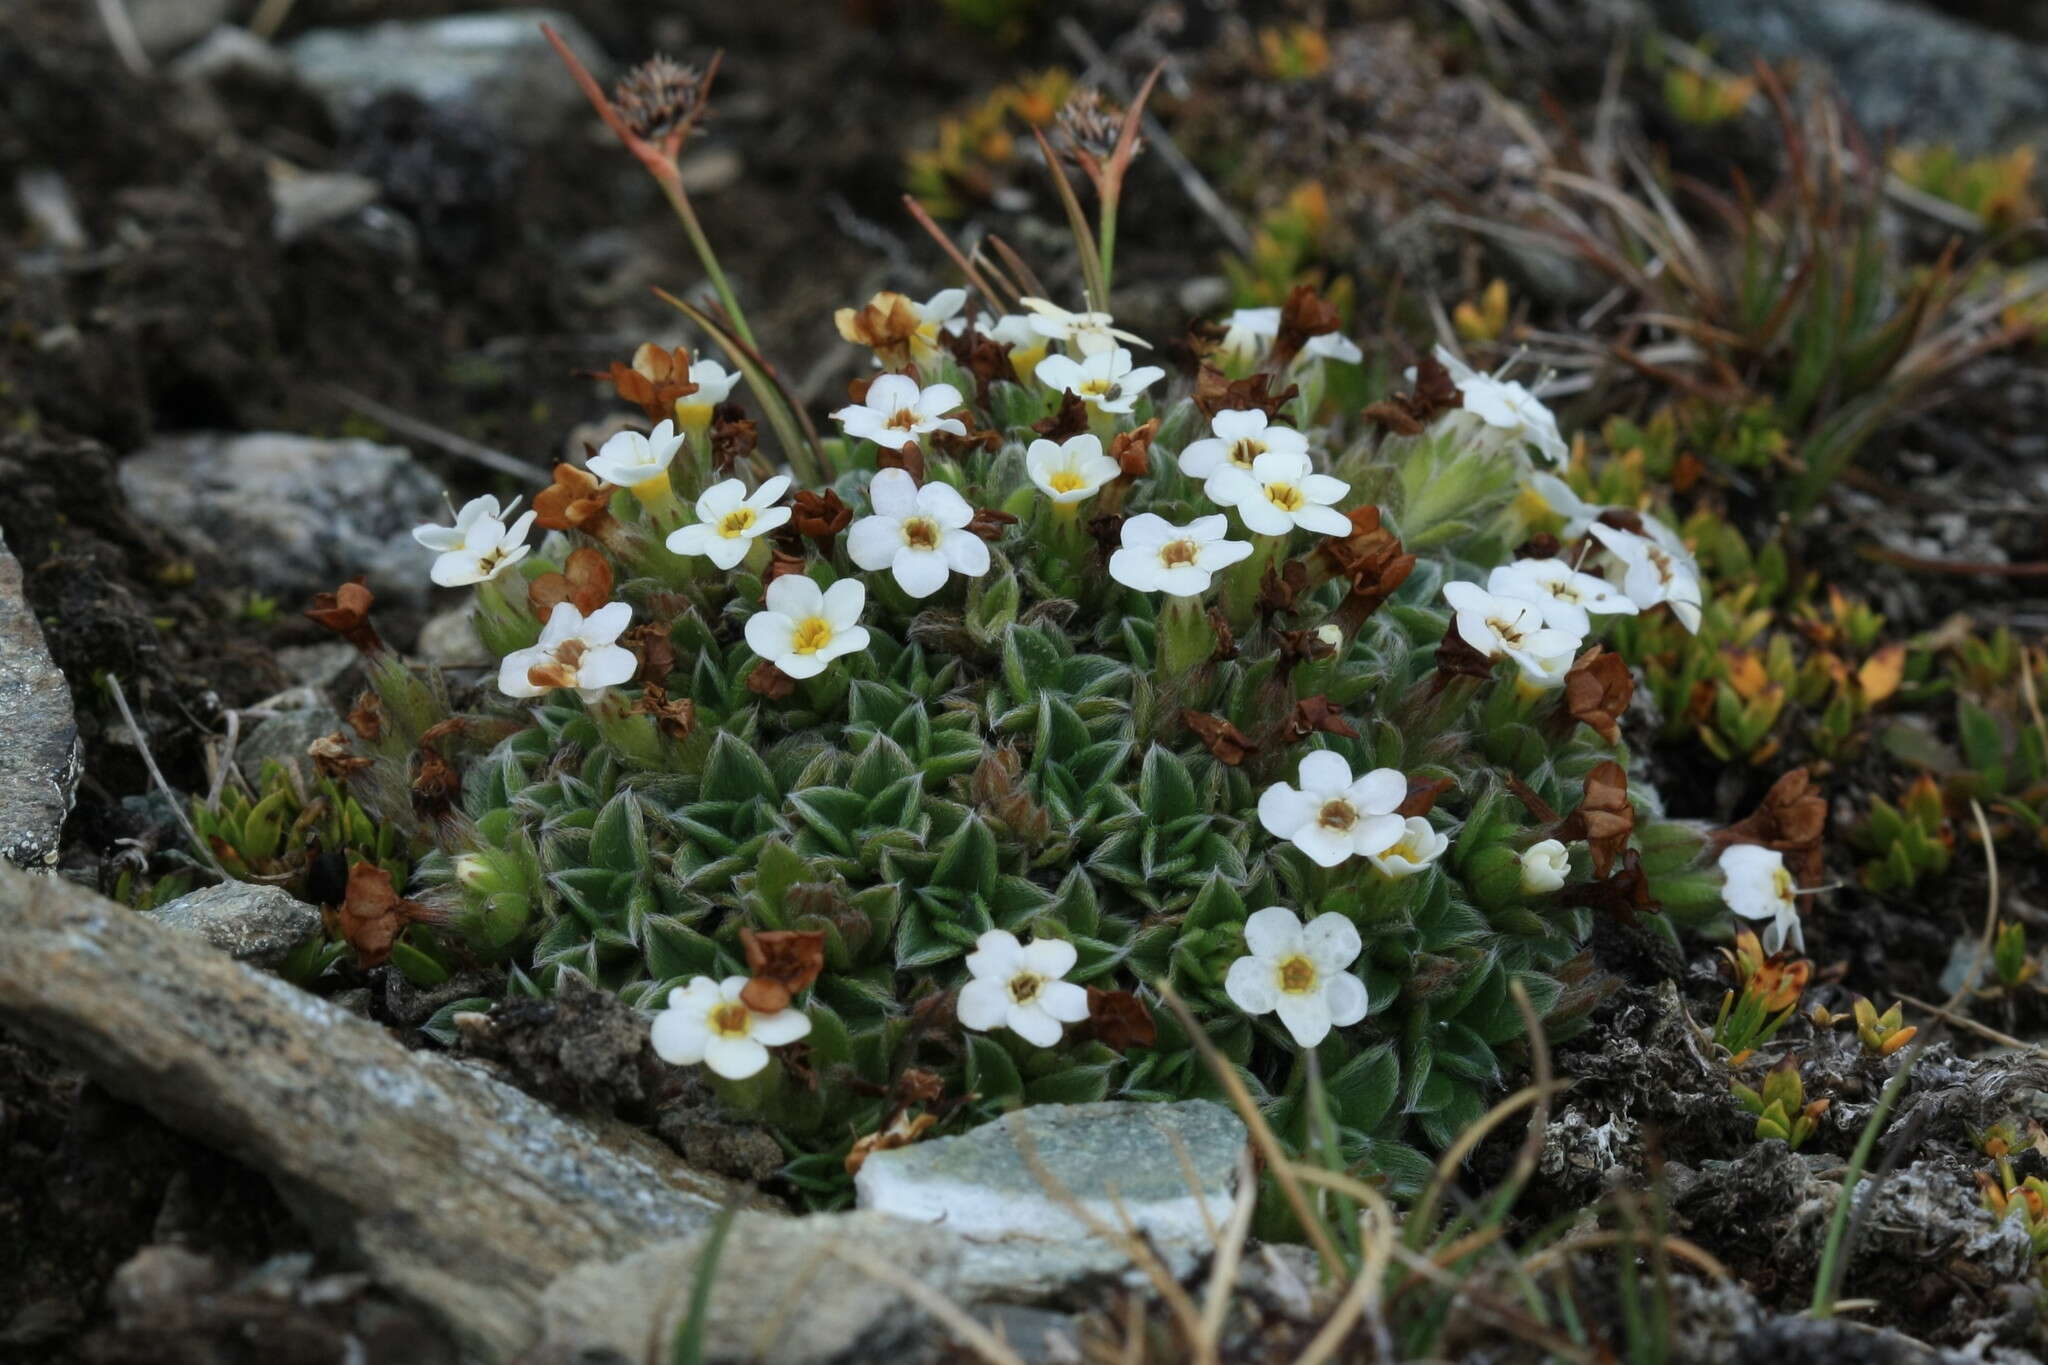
(585, 582)
(1297, 647)
(1312, 714)
(661, 98)
(771, 682)
(1132, 450)
(1229, 744)
(655, 380)
(576, 501)
(435, 786)
(909, 459)
(331, 755)
(346, 612)
(1120, 1020)
(1791, 819)
(1216, 392)
(1071, 419)
(819, 516)
(1456, 658)
(1304, 315)
(656, 652)
(1604, 818)
(372, 914)
(1087, 127)
(676, 718)
(1281, 587)
(780, 963)
(1623, 895)
(988, 523)
(1406, 414)
(366, 717)
(734, 436)
(902, 1129)
(781, 562)
(886, 325)
(1597, 692)
(1226, 639)
(1423, 793)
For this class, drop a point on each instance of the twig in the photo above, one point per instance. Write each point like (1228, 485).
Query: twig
(1199, 191)
(121, 31)
(156, 775)
(438, 437)
(2037, 568)
(1985, 1031)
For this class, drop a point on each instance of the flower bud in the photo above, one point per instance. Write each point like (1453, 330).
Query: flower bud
(1544, 867)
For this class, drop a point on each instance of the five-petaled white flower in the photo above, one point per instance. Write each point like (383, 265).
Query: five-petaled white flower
(896, 412)
(1655, 568)
(1083, 333)
(1158, 556)
(1280, 492)
(918, 534)
(629, 458)
(1757, 885)
(576, 651)
(1018, 986)
(802, 629)
(1548, 494)
(729, 519)
(1419, 845)
(1250, 333)
(1507, 408)
(1332, 817)
(1299, 971)
(1104, 380)
(1545, 865)
(1241, 436)
(1507, 628)
(1072, 471)
(706, 1021)
(1567, 599)
(479, 546)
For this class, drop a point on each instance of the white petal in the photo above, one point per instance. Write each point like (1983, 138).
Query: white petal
(679, 1035)
(892, 492)
(1273, 933)
(606, 666)
(1261, 517)
(1322, 521)
(1283, 810)
(1033, 1025)
(607, 623)
(694, 539)
(735, 1058)
(943, 504)
(782, 1027)
(1147, 531)
(1326, 774)
(842, 603)
(872, 542)
(1064, 1001)
(919, 572)
(966, 552)
(1049, 957)
(770, 634)
(1307, 1017)
(1249, 984)
(512, 673)
(995, 955)
(1332, 941)
(796, 596)
(1200, 459)
(1138, 569)
(983, 1004)
(1377, 834)
(1345, 998)
(851, 640)
(1379, 791)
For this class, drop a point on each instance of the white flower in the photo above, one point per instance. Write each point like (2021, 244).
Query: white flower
(1158, 556)
(1250, 333)
(1104, 380)
(1545, 865)
(896, 412)
(1507, 407)
(1299, 972)
(1507, 628)
(574, 651)
(629, 458)
(1085, 333)
(1419, 845)
(714, 385)
(1332, 816)
(1655, 570)
(1567, 599)
(935, 313)
(729, 519)
(918, 534)
(802, 628)
(1541, 672)
(1280, 492)
(1547, 493)
(1071, 471)
(479, 546)
(1018, 985)
(1241, 436)
(706, 1021)
(1757, 885)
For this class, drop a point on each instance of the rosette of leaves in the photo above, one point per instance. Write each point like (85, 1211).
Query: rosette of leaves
(1011, 754)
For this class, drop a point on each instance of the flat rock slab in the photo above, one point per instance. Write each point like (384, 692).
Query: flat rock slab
(254, 924)
(786, 1290)
(292, 515)
(496, 65)
(457, 1191)
(39, 754)
(997, 1188)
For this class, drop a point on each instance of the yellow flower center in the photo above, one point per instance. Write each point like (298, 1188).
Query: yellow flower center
(904, 420)
(1782, 885)
(731, 1020)
(1244, 452)
(1067, 481)
(1024, 987)
(1507, 630)
(490, 562)
(921, 533)
(1296, 975)
(736, 523)
(1174, 553)
(811, 635)
(1285, 496)
(1337, 815)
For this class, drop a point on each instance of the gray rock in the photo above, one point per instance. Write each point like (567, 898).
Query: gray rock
(292, 515)
(1115, 1160)
(167, 26)
(497, 65)
(1902, 68)
(318, 666)
(259, 925)
(453, 1189)
(785, 1290)
(233, 53)
(297, 718)
(449, 640)
(39, 756)
(306, 201)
